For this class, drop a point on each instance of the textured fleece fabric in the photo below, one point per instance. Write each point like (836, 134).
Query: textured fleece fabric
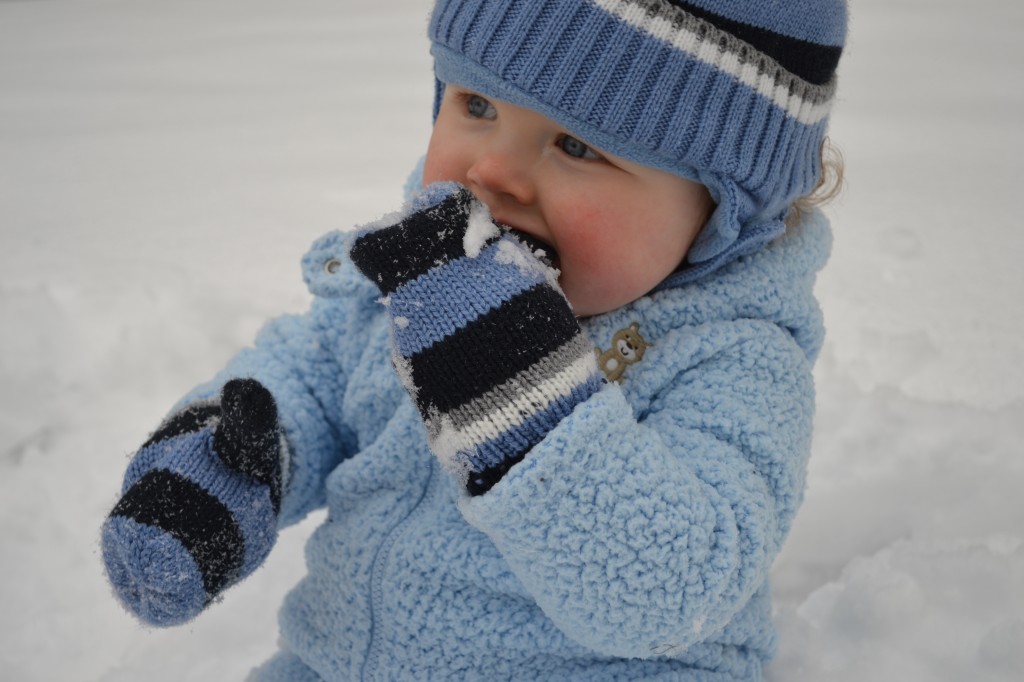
(633, 543)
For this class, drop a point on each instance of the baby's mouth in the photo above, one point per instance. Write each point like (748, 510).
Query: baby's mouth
(543, 251)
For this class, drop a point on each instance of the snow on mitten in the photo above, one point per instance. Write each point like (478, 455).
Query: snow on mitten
(199, 506)
(483, 338)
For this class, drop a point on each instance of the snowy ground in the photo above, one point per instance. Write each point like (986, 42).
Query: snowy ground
(163, 165)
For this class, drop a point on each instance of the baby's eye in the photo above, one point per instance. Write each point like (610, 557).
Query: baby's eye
(478, 107)
(576, 149)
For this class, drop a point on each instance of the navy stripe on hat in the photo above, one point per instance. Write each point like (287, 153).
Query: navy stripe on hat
(813, 62)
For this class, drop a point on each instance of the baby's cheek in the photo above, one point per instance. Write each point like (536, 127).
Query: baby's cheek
(444, 162)
(436, 168)
(600, 236)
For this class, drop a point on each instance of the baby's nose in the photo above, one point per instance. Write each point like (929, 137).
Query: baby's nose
(500, 174)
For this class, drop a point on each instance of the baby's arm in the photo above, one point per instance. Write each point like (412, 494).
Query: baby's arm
(641, 531)
(638, 531)
(237, 458)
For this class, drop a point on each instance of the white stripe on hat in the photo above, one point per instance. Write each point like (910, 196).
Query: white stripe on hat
(709, 51)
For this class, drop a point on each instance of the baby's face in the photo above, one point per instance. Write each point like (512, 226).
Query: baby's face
(616, 228)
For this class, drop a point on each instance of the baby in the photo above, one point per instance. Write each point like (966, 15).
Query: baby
(559, 408)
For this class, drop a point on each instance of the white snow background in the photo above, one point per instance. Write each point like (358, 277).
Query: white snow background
(164, 165)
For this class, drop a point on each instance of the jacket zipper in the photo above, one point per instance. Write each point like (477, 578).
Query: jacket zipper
(377, 577)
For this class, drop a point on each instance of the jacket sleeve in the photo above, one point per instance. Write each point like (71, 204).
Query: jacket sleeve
(296, 357)
(645, 527)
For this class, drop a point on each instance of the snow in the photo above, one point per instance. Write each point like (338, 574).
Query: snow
(480, 229)
(163, 166)
(512, 253)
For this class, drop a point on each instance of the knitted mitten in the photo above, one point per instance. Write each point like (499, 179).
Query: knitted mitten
(199, 506)
(483, 338)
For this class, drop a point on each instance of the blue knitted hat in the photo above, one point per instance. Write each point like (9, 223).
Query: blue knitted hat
(734, 94)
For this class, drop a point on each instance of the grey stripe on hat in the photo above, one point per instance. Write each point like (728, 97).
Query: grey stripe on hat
(726, 52)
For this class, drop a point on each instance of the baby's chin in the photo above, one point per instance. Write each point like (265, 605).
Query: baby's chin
(587, 306)
(587, 300)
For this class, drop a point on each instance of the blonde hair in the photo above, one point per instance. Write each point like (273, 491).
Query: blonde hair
(829, 186)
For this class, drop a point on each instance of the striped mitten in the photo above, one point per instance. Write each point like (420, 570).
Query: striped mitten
(483, 338)
(199, 506)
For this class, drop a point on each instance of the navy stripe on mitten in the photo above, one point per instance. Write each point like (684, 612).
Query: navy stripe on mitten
(199, 506)
(484, 339)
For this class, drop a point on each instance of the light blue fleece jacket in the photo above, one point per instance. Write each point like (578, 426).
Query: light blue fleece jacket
(633, 543)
